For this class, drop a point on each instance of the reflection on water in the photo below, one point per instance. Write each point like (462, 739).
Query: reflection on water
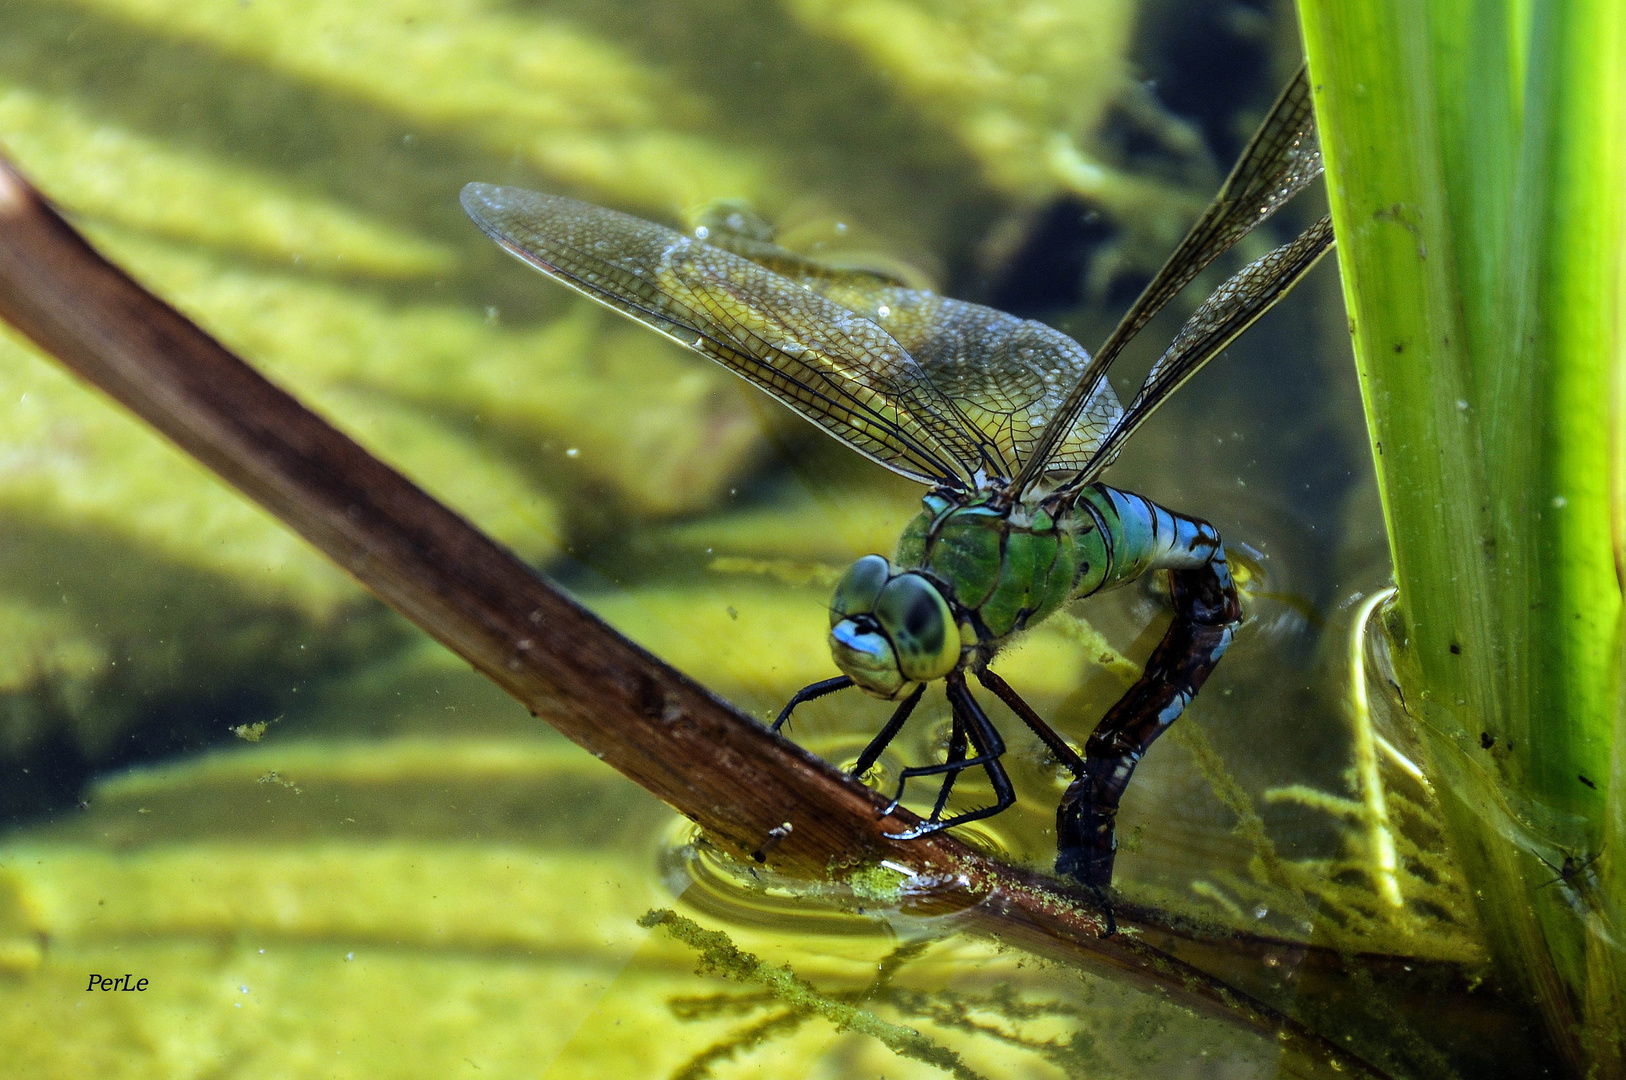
(406, 875)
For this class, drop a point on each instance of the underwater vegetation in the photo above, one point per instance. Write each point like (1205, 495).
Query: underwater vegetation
(1476, 172)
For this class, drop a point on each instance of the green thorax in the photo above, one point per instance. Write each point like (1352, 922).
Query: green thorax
(1011, 567)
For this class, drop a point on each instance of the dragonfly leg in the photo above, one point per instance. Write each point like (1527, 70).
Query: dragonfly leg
(989, 746)
(810, 693)
(1206, 616)
(887, 733)
(956, 754)
(1047, 734)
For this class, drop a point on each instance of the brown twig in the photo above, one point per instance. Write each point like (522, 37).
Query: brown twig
(745, 786)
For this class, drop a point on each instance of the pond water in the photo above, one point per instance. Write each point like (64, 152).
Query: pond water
(332, 850)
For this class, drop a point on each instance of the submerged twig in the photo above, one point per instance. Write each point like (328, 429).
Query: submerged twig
(656, 726)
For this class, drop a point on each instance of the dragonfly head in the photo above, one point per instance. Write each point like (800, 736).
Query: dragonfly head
(890, 630)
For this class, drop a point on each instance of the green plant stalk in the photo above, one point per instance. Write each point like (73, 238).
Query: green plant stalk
(1561, 331)
(1474, 163)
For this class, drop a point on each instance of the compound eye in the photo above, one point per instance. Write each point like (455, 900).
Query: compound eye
(918, 620)
(865, 655)
(858, 588)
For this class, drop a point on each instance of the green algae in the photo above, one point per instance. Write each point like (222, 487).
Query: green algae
(280, 927)
(719, 956)
(877, 882)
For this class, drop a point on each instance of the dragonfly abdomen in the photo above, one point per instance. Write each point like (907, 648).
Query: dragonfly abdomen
(1136, 535)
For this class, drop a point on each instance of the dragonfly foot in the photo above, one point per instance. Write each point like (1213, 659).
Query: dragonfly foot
(811, 692)
(1104, 902)
(925, 828)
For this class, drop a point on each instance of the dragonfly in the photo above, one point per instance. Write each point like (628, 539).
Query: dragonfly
(1008, 422)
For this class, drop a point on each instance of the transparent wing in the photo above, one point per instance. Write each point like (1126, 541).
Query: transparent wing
(987, 381)
(1234, 307)
(758, 246)
(835, 367)
(1004, 376)
(1281, 158)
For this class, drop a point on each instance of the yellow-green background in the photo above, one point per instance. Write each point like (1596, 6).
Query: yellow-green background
(406, 875)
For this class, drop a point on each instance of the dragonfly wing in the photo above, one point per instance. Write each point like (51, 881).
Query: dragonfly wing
(800, 268)
(1234, 307)
(998, 377)
(1004, 376)
(1008, 377)
(841, 371)
(1281, 158)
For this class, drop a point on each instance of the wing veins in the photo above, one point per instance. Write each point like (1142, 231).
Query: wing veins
(1234, 306)
(853, 402)
(847, 412)
(856, 405)
(981, 419)
(1280, 159)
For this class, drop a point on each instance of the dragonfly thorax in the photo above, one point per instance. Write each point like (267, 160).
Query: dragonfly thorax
(971, 571)
(1004, 566)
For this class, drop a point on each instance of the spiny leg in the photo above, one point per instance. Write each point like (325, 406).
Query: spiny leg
(989, 746)
(885, 736)
(810, 693)
(1047, 734)
(953, 766)
(956, 754)
(1206, 615)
